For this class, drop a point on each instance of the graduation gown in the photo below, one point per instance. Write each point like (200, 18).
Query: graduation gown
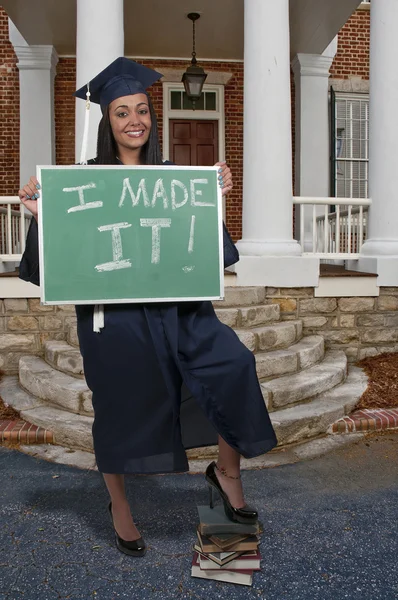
(164, 377)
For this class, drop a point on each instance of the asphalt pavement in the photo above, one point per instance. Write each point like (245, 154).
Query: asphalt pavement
(330, 531)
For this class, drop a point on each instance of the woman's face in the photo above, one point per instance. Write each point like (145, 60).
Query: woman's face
(130, 121)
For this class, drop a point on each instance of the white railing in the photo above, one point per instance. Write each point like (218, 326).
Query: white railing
(337, 234)
(14, 223)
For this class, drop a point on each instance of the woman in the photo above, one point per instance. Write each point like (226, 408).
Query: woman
(136, 365)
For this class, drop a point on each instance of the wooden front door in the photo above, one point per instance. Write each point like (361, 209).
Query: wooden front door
(194, 143)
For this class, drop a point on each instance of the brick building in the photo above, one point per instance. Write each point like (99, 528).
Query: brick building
(286, 103)
(351, 63)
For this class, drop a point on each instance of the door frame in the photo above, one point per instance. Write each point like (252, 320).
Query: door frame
(196, 115)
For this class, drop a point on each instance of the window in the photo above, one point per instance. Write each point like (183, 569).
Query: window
(180, 101)
(350, 145)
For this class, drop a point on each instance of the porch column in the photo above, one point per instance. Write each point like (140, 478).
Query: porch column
(268, 247)
(100, 40)
(312, 145)
(37, 69)
(380, 251)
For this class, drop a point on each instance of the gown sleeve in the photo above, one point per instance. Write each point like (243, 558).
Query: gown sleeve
(29, 267)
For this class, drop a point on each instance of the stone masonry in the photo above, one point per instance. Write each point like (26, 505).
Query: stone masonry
(25, 326)
(360, 327)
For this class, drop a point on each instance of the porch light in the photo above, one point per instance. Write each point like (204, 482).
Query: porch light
(194, 77)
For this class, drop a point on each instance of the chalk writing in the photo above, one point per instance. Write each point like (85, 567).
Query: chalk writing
(82, 204)
(174, 204)
(195, 192)
(191, 235)
(156, 225)
(118, 262)
(135, 198)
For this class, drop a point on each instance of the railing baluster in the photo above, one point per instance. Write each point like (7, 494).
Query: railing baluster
(314, 230)
(302, 218)
(326, 231)
(349, 228)
(9, 232)
(22, 231)
(360, 228)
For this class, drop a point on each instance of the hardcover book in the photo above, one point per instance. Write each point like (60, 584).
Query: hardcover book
(214, 521)
(237, 577)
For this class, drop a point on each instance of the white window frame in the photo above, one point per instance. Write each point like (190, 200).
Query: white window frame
(353, 97)
(204, 115)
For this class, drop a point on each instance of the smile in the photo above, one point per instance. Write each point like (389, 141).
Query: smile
(135, 134)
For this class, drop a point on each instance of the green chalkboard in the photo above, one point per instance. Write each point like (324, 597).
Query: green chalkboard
(111, 234)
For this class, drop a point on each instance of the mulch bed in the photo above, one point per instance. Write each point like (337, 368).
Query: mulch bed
(382, 391)
(6, 412)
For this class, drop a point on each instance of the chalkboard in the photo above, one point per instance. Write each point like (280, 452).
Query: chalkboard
(115, 234)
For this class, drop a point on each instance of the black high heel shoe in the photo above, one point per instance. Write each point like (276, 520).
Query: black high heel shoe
(246, 514)
(135, 548)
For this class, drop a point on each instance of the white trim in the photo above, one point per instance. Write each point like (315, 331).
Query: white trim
(165, 58)
(208, 115)
(347, 287)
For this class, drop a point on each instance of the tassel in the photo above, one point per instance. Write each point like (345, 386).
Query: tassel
(98, 315)
(98, 318)
(83, 154)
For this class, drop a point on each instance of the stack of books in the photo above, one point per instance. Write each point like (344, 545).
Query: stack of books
(224, 550)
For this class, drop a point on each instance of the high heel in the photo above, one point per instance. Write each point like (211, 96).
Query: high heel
(246, 514)
(134, 548)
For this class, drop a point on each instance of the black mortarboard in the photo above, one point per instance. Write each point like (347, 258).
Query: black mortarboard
(123, 77)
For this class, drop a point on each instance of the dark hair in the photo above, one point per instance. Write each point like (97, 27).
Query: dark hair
(107, 149)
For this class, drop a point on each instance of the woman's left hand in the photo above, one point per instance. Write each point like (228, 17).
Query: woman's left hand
(224, 177)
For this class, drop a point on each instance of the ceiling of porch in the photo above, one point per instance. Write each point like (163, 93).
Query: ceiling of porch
(155, 28)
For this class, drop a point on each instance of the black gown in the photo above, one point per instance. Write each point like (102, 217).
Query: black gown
(137, 367)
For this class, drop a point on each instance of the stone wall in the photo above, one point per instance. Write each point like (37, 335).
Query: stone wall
(360, 327)
(25, 326)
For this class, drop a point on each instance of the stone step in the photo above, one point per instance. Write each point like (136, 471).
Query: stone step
(304, 354)
(241, 296)
(70, 430)
(242, 317)
(304, 421)
(71, 337)
(64, 357)
(249, 316)
(42, 380)
(272, 337)
(291, 389)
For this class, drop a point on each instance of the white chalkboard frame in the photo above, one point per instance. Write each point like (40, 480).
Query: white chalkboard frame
(46, 302)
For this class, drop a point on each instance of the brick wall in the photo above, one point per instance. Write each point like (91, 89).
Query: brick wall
(65, 85)
(9, 113)
(352, 58)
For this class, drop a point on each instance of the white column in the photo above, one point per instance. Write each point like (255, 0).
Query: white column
(312, 143)
(380, 252)
(267, 247)
(100, 40)
(383, 128)
(37, 69)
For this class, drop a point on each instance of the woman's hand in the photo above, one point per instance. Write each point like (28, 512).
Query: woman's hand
(224, 177)
(29, 194)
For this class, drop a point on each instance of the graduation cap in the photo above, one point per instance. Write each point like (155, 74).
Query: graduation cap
(123, 77)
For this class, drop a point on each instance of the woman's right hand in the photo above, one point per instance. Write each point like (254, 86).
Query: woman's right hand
(29, 194)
